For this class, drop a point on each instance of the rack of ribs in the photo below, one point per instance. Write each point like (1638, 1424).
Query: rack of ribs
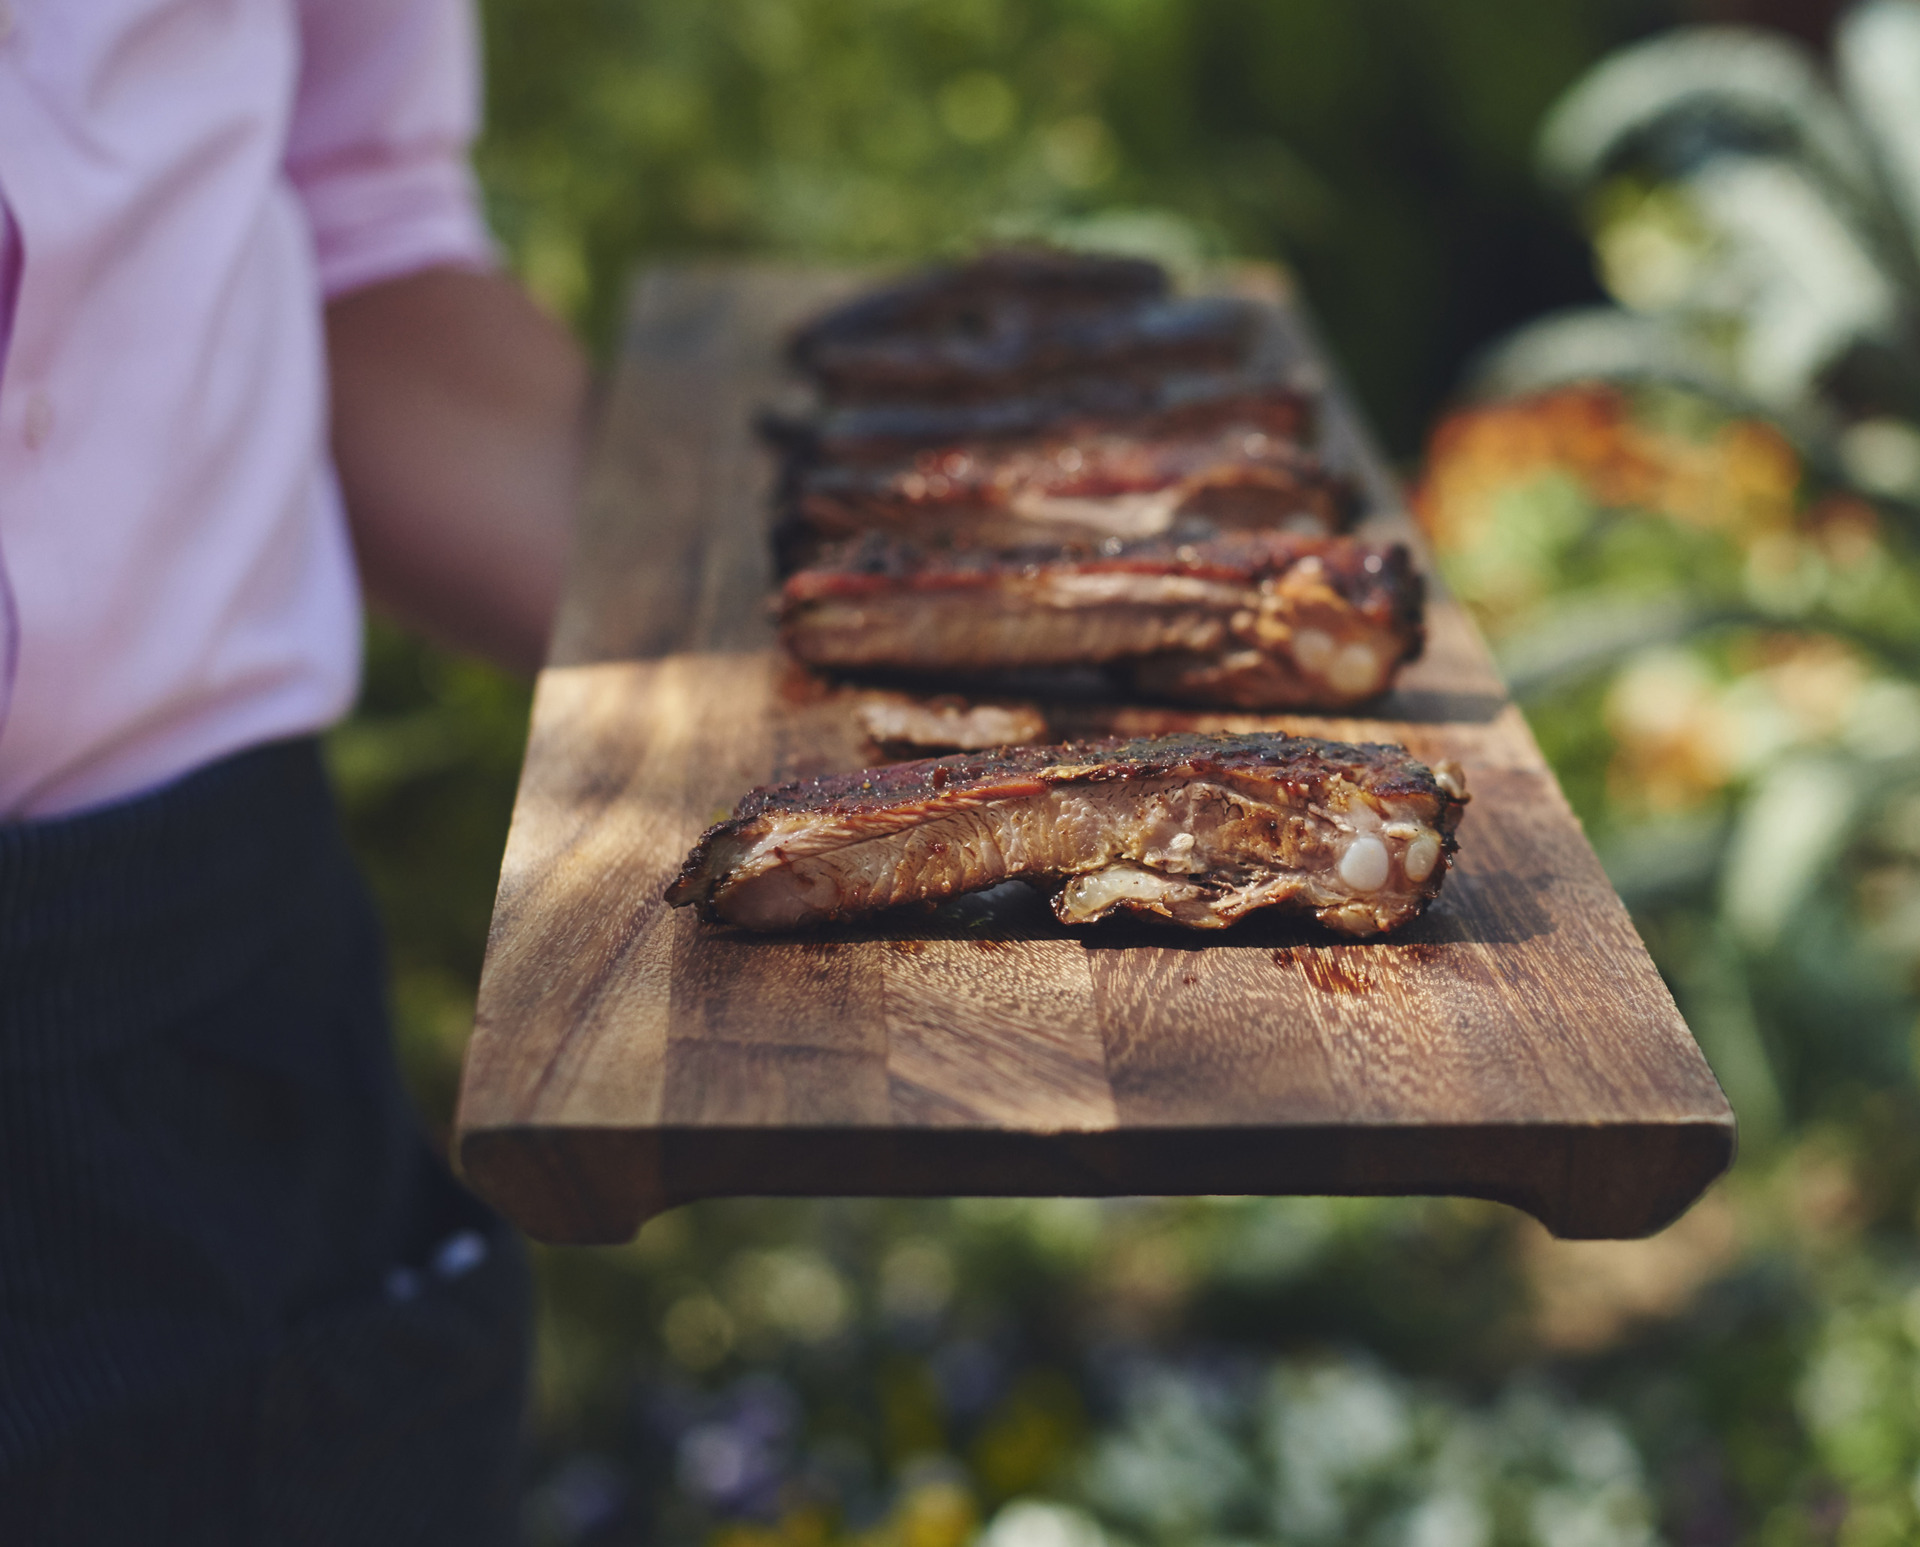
(1198, 830)
(1250, 620)
(1236, 460)
(1015, 320)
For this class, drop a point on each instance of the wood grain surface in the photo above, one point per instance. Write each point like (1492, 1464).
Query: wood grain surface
(1515, 1044)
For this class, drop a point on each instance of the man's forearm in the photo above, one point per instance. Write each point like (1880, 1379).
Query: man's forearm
(458, 412)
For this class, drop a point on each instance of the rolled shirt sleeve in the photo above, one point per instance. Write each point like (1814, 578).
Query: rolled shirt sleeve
(387, 108)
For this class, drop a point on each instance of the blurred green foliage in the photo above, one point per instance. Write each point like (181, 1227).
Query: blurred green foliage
(1427, 1373)
(1691, 524)
(1382, 146)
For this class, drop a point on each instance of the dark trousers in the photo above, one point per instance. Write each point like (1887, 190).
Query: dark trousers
(240, 1300)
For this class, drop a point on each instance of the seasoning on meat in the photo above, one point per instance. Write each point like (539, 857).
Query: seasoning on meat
(1199, 830)
(1234, 461)
(879, 433)
(1015, 320)
(1251, 620)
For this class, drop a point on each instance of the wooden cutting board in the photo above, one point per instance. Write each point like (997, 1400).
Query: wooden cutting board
(1515, 1044)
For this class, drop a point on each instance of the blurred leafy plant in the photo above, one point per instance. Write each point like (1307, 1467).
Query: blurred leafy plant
(1071, 1374)
(1705, 570)
(1380, 146)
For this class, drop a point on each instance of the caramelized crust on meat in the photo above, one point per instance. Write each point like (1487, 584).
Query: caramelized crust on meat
(1248, 619)
(1199, 830)
(1151, 404)
(948, 297)
(1234, 462)
(1011, 320)
(878, 435)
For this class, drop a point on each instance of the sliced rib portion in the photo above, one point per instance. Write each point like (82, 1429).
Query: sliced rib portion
(1200, 830)
(1233, 461)
(904, 727)
(1010, 321)
(879, 437)
(1257, 620)
(886, 431)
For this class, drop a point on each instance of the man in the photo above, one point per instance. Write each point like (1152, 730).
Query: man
(239, 1301)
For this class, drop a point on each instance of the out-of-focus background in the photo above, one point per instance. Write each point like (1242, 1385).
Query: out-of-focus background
(1684, 507)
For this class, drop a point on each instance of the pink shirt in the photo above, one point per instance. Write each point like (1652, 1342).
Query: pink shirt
(181, 183)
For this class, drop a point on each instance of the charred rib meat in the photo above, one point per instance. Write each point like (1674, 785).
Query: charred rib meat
(879, 432)
(1009, 321)
(1201, 830)
(1254, 620)
(1235, 461)
(880, 437)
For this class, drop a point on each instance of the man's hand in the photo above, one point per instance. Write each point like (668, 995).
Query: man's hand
(458, 411)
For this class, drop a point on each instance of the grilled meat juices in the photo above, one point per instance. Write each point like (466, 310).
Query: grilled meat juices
(1252, 620)
(1200, 830)
(905, 727)
(1010, 322)
(1235, 460)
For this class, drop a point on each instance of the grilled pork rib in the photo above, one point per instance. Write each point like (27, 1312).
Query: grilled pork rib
(1010, 321)
(904, 727)
(1235, 462)
(1254, 620)
(884, 432)
(1201, 830)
